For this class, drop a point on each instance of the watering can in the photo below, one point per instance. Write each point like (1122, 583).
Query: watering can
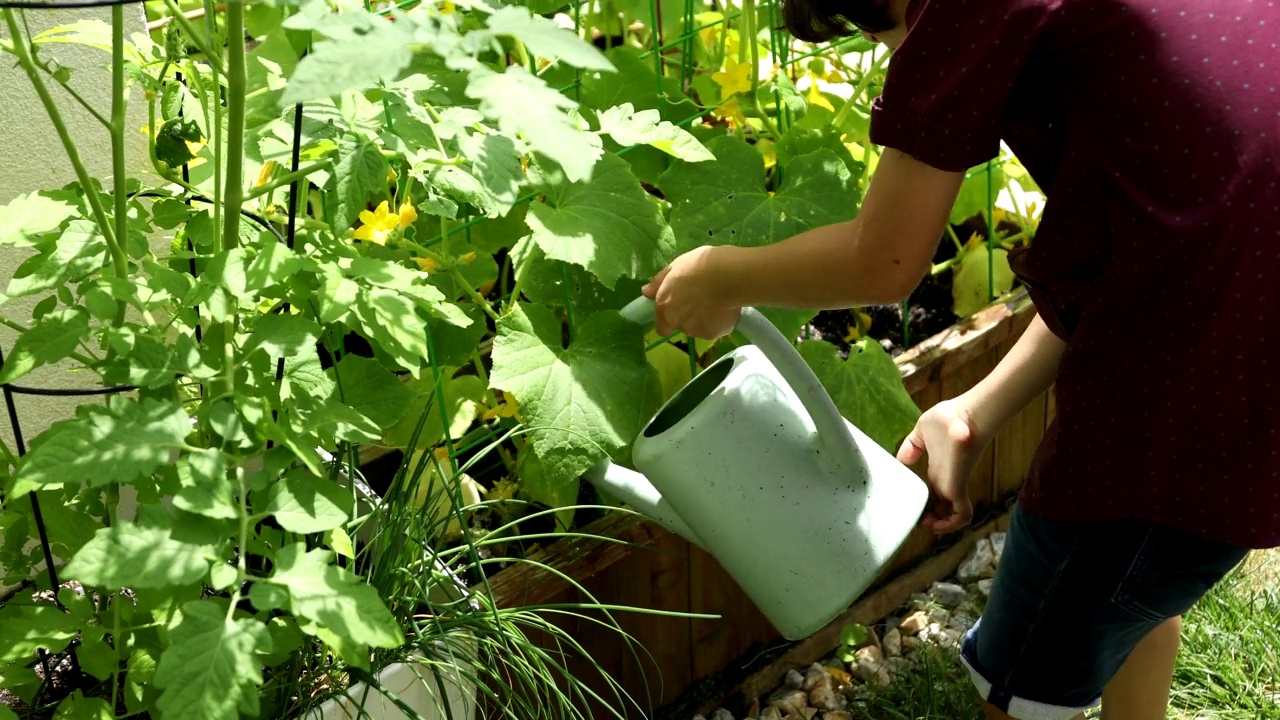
(752, 462)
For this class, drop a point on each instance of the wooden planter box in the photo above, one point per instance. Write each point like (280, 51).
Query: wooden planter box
(652, 568)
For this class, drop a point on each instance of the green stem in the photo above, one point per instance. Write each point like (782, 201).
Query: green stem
(749, 20)
(288, 179)
(22, 49)
(242, 566)
(955, 238)
(858, 90)
(78, 98)
(452, 268)
(23, 330)
(115, 638)
(233, 196)
(119, 101)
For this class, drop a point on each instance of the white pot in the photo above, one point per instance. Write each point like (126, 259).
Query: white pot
(417, 685)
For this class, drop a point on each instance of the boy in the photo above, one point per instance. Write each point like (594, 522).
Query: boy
(1153, 126)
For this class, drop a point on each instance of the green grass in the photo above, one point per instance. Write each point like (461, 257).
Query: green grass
(1228, 668)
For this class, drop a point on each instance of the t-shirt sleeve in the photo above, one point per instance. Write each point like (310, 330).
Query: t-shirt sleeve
(949, 80)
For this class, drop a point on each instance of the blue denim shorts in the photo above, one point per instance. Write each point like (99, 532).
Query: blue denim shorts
(1071, 600)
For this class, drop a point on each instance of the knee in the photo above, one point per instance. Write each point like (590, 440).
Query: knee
(1172, 626)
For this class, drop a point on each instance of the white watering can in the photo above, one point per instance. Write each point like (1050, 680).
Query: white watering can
(752, 462)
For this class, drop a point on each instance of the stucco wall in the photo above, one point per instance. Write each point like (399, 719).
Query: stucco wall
(31, 158)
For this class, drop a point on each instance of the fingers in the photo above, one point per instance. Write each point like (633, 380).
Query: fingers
(650, 290)
(960, 516)
(912, 448)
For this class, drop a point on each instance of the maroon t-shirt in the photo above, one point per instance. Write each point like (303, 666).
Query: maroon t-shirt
(1153, 127)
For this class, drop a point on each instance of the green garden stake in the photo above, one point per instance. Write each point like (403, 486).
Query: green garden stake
(752, 462)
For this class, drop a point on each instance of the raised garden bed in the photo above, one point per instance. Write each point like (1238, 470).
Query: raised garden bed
(700, 661)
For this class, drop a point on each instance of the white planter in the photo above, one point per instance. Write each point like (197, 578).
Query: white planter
(418, 686)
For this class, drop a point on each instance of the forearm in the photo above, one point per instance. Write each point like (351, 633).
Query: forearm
(830, 267)
(1024, 373)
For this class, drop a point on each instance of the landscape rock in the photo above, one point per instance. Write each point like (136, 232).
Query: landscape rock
(816, 677)
(893, 643)
(771, 713)
(948, 595)
(962, 622)
(914, 623)
(997, 544)
(869, 664)
(794, 680)
(838, 715)
(721, 714)
(984, 586)
(979, 564)
(910, 643)
(824, 697)
(789, 702)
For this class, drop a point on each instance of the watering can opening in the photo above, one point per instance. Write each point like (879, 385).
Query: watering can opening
(690, 396)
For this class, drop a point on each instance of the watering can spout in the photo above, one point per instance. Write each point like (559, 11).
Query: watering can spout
(632, 488)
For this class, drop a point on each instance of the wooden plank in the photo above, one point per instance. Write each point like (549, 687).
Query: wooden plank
(716, 643)
(656, 667)
(954, 348)
(608, 540)
(866, 611)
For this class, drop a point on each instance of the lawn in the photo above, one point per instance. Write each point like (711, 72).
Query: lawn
(1228, 669)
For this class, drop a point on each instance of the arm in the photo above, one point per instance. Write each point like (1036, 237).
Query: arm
(1023, 374)
(878, 257)
(954, 433)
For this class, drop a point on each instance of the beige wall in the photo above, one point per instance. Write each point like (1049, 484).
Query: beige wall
(31, 158)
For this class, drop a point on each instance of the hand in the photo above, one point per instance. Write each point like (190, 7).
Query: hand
(691, 296)
(946, 433)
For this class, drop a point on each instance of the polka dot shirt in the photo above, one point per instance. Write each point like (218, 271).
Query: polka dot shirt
(1153, 126)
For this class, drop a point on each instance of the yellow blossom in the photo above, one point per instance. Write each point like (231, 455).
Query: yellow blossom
(407, 215)
(506, 408)
(815, 96)
(731, 111)
(427, 264)
(734, 79)
(264, 175)
(447, 7)
(860, 328)
(377, 224)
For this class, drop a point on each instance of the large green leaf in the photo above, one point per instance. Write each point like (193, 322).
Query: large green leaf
(282, 335)
(68, 257)
(542, 487)
(982, 274)
(340, 608)
(495, 167)
(523, 104)
(393, 322)
(155, 555)
(800, 141)
(210, 671)
(867, 388)
(628, 126)
(51, 339)
(24, 628)
(978, 191)
(547, 39)
(728, 203)
(118, 443)
(303, 503)
(366, 50)
(609, 225)
(454, 345)
(372, 390)
(581, 402)
(29, 216)
(552, 282)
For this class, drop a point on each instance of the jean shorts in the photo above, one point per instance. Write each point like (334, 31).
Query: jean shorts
(1071, 600)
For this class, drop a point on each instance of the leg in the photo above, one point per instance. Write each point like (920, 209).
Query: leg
(1140, 690)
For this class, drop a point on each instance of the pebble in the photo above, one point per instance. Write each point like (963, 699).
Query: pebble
(979, 563)
(914, 623)
(824, 697)
(838, 715)
(997, 544)
(794, 680)
(910, 642)
(771, 713)
(963, 622)
(722, 714)
(948, 595)
(869, 664)
(984, 586)
(790, 702)
(815, 677)
(893, 643)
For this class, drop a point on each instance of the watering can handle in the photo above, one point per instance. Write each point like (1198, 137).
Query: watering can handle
(756, 328)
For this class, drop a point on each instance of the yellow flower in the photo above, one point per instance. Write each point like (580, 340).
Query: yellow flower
(506, 408)
(861, 328)
(264, 175)
(427, 264)
(447, 7)
(731, 111)
(377, 224)
(815, 94)
(408, 215)
(734, 79)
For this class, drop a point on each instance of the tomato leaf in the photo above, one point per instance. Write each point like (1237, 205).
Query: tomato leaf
(210, 670)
